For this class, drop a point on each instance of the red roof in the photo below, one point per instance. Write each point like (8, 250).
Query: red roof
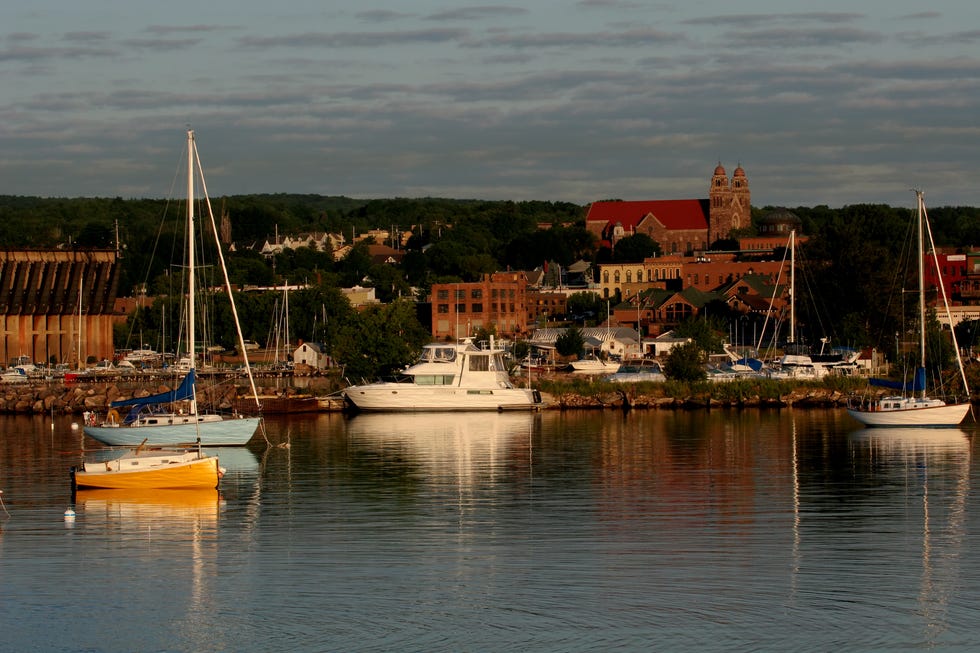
(672, 214)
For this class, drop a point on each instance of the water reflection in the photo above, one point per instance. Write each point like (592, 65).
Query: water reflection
(460, 449)
(688, 530)
(930, 470)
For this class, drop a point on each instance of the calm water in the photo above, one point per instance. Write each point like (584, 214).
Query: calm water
(721, 531)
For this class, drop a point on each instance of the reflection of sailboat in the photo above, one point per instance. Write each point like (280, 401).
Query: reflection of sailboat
(178, 509)
(910, 410)
(146, 419)
(937, 463)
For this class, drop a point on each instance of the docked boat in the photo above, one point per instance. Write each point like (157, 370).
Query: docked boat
(172, 417)
(594, 365)
(637, 372)
(144, 468)
(447, 376)
(915, 410)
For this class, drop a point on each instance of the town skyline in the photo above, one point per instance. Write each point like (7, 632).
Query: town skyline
(574, 102)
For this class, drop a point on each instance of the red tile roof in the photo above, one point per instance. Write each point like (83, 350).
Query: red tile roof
(673, 214)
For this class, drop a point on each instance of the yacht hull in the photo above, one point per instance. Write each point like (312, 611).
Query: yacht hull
(407, 397)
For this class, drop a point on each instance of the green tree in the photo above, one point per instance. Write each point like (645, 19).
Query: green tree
(570, 342)
(635, 248)
(706, 334)
(685, 363)
(379, 340)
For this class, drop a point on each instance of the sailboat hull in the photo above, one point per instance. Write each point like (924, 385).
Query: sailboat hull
(233, 432)
(180, 471)
(934, 414)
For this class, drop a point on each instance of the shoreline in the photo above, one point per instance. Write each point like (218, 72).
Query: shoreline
(45, 397)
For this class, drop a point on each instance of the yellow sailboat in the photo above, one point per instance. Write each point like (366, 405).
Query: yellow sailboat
(150, 468)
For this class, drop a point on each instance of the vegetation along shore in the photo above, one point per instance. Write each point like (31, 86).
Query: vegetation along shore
(48, 397)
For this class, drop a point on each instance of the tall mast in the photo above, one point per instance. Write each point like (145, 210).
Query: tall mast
(792, 286)
(190, 259)
(922, 286)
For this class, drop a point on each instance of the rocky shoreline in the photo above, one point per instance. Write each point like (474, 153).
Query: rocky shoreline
(76, 398)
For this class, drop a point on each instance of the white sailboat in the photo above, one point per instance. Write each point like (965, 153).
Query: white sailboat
(157, 418)
(915, 410)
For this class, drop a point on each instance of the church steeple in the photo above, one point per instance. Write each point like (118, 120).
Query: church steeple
(728, 203)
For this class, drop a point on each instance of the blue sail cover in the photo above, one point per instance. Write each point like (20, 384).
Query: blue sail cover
(753, 363)
(917, 384)
(184, 391)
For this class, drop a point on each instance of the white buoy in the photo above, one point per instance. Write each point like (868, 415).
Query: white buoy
(74, 426)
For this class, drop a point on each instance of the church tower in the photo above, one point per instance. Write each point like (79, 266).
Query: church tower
(728, 203)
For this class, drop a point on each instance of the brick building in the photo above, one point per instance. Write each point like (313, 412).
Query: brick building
(499, 299)
(678, 226)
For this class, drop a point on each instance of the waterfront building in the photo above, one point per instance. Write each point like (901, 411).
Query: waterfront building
(54, 302)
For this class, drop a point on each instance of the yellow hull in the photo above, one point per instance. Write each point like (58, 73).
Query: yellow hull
(200, 473)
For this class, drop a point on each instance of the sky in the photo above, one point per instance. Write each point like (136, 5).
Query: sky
(572, 101)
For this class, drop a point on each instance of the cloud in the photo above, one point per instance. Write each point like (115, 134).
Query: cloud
(478, 13)
(352, 39)
(628, 38)
(786, 38)
(381, 16)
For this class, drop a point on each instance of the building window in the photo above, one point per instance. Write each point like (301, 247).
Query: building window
(476, 293)
(476, 308)
(460, 308)
(616, 276)
(460, 294)
(605, 276)
(442, 294)
(629, 276)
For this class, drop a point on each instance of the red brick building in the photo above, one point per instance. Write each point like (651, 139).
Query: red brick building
(678, 226)
(499, 299)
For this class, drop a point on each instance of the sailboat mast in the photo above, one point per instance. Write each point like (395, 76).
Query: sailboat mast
(792, 286)
(190, 259)
(922, 286)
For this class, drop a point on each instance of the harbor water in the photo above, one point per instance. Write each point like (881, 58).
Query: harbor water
(717, 530)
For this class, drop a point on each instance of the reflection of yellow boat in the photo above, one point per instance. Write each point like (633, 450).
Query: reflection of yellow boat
(159, 508)
(153, 500)
(141, 468)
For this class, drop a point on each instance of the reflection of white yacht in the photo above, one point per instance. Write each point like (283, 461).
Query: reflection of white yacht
(454, 449)
(448, 377)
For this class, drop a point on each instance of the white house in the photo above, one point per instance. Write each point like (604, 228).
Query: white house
(661, 345)
(311, 353)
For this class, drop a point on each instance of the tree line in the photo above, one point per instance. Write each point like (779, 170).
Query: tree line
(847, 286)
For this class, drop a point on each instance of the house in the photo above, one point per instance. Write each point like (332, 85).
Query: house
(662, 344)
(615, 342)
(312, 354)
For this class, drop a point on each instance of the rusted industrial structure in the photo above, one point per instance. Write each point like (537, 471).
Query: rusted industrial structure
(57, 305)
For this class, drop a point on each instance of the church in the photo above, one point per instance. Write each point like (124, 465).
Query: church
(678, 226)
